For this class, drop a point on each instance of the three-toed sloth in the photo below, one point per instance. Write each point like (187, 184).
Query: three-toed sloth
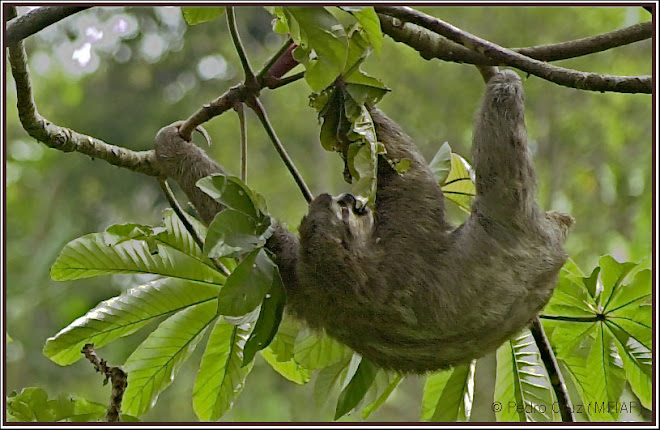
(399, 284)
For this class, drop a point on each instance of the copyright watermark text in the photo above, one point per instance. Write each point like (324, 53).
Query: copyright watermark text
(578, 408)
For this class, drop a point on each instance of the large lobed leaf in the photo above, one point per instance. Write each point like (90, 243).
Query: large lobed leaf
(603, 333)
(221, 376)
(92, 255)
(123, 315)
(154, 364)
(523, 391)
(448, 394)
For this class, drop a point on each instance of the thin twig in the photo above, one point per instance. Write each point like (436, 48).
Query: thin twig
(258, 108)
(559, 75)
(286, 81)
(36, 20)
(116, 375)
(431, 45)
(241, 119)
(174, 204)
(250, 79)
(556, 378)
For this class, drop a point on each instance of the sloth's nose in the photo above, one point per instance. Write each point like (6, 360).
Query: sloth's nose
(346, 199)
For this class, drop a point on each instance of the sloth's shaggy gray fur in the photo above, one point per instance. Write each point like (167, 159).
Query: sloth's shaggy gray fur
(415, 293)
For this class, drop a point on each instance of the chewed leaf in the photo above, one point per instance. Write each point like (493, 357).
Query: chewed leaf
(459, 185)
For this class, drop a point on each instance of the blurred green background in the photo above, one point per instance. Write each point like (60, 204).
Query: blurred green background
(120, 74)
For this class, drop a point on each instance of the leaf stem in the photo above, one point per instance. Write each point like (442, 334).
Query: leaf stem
(258, 108)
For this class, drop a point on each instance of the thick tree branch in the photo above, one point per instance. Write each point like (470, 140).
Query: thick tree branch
(431, 45)
(64, 139)
(36, 20)
(559, 75)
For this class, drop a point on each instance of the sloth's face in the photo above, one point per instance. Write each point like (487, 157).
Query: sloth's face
(353, 213)
(344, 217)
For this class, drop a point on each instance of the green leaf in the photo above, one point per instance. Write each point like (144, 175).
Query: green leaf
(281, 22)
(289, 369)
(631, 296)
(233, 193)
(330, 380)
(605, 376)
(637, 363)
(221, 377)
(89, 256)
(176, 236)
(32, 404)
(569, 335)
(247, 285)
(315, 351)
(459, 185)
(571, 298)
(631, 308)
(324, 44)
(197, 15)
(384, 385)
(123, 315)
(441, 163)
(370, 23)
(592, 284)
(155, 362)
(269, 320)
(282, 345)
(364, 88)
(612, 275)
(356, 389)
(122, 232)
(231, 234)
(522, 386)
(448, 394)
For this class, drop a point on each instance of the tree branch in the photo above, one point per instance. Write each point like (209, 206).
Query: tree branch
(116, 375)
(250, 79)
(559, 75)
(36, 20)
(556, 378)
(64, 139)
(431, 45)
